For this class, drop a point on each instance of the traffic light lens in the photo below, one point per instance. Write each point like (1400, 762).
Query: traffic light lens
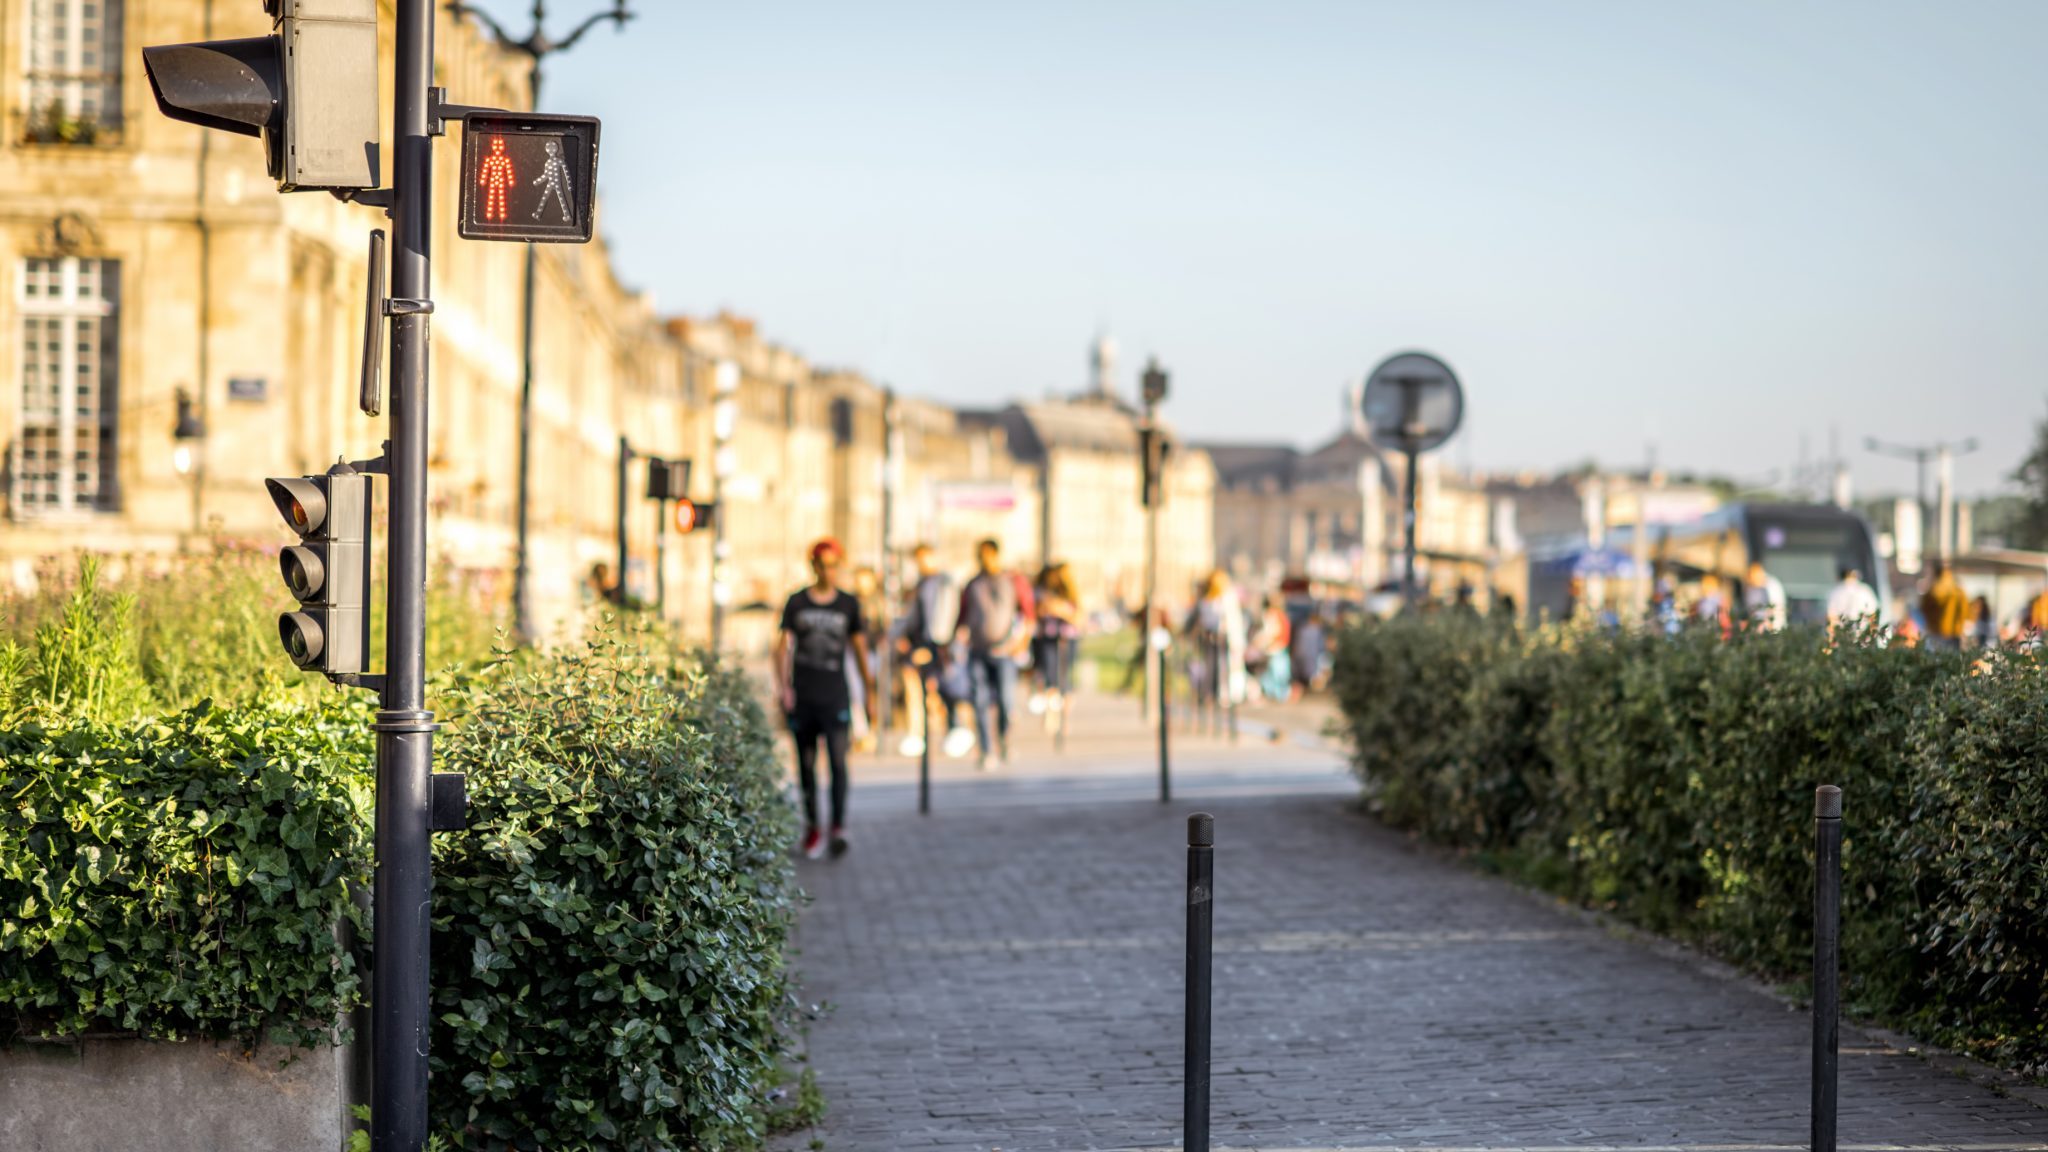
(303, 639)
(304, 572)
(298, 514)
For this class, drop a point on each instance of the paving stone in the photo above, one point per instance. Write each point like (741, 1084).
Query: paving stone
(1008, 975)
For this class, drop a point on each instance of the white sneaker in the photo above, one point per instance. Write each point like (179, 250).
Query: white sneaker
(913, 746)
(1035, 705)
(959, 742)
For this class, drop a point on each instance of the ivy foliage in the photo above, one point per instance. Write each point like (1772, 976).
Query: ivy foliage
(609, 934)
(183, 876)
(1670, 780)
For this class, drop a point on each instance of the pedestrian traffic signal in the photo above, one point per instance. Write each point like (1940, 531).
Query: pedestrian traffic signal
(328, 571)
(528, 176)
(1153, 450)
(691, 516)
(309, 91)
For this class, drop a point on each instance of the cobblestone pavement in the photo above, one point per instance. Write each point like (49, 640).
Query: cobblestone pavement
(1006, 974)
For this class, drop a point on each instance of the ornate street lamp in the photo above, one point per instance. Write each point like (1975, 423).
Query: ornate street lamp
(536, 46)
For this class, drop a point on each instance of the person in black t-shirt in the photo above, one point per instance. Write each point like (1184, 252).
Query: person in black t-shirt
(821, 625)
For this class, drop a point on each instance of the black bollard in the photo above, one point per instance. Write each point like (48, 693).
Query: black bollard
(1827, 960)
(1201, 908)
(1165, 722)
(924, 757)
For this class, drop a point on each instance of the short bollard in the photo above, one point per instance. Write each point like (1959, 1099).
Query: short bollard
(1201, 904)
(1827, 960)
(924, 755)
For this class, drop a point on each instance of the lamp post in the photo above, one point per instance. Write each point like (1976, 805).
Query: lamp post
(892, 480)
(188, 449)
(1943, 453)
(1152, 480)
(725, 420)
(536, 46)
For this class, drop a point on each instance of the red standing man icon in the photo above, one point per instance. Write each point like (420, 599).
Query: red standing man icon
(495, 176)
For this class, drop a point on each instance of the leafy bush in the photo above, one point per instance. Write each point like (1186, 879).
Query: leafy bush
(183, 876)
(131, 636)
(1670, 780)
(609, 933)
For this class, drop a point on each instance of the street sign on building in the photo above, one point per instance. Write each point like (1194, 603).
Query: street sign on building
(528, 176)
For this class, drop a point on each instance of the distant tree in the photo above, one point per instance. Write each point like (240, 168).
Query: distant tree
(2029, 526)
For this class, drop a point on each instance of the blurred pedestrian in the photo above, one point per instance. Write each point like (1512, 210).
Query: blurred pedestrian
(1712, 606)
(1983, 627)
(867, 592)
(926, 633)
(1266, 655)
(821, 626)
(994, 627)
(1054, 641)
(1216, 624)
(2033, 622)
(1946, 609)
(1305, 654)
(1763, 599)
(1852, 602)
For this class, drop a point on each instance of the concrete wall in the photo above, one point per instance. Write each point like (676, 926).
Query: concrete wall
(131, 1095)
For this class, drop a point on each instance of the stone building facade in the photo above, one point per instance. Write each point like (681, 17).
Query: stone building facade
(153, 272)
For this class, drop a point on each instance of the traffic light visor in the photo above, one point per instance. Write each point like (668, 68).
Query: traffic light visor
(302, 504)
(233, 85)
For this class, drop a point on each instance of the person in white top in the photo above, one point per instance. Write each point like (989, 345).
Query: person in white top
(1852, 602)
(1763, 600)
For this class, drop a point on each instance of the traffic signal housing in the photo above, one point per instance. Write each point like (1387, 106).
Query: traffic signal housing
(667, 479)
(328, 571)
(308, 90)
(1153, 451)
(528, 176)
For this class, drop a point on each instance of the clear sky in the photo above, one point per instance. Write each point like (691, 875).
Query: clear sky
(1707, 227)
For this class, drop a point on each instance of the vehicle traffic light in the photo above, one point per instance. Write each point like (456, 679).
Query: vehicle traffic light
(328, 570)
(1153, 450)
(309, 90)
(691, 516)
(667, 479)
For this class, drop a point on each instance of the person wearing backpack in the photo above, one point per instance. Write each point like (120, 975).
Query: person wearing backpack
(927, 629)
(995, 628)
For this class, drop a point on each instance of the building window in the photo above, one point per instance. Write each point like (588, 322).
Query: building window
(73, 71)
(64, 447)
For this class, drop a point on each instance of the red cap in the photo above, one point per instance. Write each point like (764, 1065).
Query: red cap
(827, 547)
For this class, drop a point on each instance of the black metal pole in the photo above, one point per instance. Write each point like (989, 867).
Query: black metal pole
(1827, 960)
(522, 581)
(619, 577)
(1408, 531)
(403, 884)
(1165, 718)
(924, 756)
(718, 552)
(1201, 919)
(661, 556)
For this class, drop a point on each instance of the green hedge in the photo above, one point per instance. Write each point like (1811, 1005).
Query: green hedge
(185, 875)
(1670, 780)
(609, 935)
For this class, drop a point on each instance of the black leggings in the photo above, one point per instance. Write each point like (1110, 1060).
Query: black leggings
(807, 770)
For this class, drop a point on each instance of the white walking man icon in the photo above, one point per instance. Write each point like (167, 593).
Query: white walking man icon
(556, 177)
